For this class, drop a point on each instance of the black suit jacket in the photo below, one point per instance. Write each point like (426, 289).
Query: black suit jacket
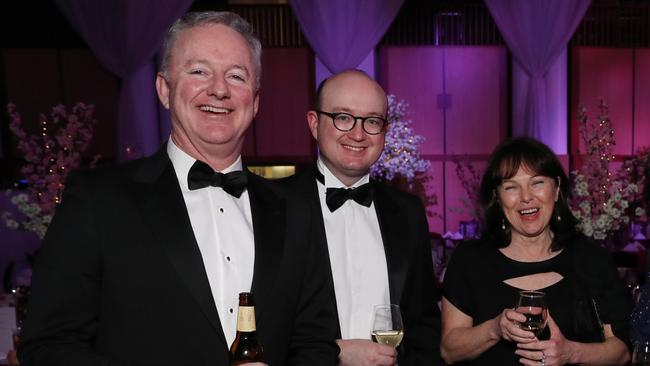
(120, 279)
(405, 233)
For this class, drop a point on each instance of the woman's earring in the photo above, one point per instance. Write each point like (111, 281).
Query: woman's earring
(559, 218)
(503, 224)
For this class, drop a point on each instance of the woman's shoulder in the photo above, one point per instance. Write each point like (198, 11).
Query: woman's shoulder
(589, 257)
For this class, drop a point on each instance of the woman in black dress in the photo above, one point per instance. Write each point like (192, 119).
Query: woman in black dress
(530, 243)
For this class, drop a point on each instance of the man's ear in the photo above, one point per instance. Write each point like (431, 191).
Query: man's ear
(162, 88)
(256, 102)
(312, 121)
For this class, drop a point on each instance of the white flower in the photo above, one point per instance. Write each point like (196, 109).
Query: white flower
(582, 189)
(30, 210)
(599, 235)
(601, 223)
(577, 214)
(608, 220)
(12, 224)
(587, 229)
(20, 198)
(639, 211)
(32, 218)
(615, 212)
(632, 188)
(40, 231)
(585, 206)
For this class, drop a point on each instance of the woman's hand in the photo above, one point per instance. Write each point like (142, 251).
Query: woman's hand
(509, 329)
(463, 340)
(555, 351)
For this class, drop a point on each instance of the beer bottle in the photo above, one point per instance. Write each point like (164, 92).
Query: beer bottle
(246, 347)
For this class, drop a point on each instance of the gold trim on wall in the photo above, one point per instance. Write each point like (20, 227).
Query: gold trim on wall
(273, 171)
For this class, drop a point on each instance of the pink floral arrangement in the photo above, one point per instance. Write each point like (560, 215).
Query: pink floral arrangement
(49, 156)
(601, 201)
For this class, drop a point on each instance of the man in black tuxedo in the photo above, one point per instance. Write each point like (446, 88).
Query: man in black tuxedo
(143, 262)
(377, 236)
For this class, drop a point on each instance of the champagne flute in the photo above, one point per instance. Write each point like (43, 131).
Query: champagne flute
(387, 325)
(533, 305)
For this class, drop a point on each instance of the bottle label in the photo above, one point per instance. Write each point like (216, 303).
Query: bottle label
(246, 319)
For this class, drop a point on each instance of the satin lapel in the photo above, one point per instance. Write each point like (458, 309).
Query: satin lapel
(393, 224)
(269, 223)
(307, 186)
(164, 210)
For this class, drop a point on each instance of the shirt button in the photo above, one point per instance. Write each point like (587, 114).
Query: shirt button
(230, 310)
(228, 258)
(221, 209)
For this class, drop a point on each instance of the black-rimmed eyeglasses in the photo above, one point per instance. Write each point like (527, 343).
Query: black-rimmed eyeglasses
(372, 125)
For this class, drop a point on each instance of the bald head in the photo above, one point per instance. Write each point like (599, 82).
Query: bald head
(347, 78)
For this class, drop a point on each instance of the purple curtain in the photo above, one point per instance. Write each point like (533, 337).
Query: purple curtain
(536, 32)
(343, 32)
(125, 36)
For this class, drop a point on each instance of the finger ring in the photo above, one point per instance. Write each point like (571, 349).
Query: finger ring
(542, 362)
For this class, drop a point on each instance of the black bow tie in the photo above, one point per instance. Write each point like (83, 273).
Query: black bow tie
(336, 197)
(201, 176)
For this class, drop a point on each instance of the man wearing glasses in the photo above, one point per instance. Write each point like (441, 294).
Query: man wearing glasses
(377, 237)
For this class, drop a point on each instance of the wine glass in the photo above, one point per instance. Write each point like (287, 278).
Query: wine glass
(533, 305)
(387, 326)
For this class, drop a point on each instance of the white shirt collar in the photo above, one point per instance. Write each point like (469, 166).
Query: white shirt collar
(331, 181)
(182, 162)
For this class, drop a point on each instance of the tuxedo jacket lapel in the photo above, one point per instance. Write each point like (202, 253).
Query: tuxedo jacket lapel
(394, 232)
(307, 186)
(268, 212)
(163, 208)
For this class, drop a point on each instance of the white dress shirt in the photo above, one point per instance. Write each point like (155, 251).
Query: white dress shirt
(223, 229)
(358, 260)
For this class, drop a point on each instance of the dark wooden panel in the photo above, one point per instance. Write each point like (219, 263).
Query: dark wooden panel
(603, 73)
(280, 127)
(87, 81)
(32, 81)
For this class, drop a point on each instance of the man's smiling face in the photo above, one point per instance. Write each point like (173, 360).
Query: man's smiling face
(210, 87)
(349, 154)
